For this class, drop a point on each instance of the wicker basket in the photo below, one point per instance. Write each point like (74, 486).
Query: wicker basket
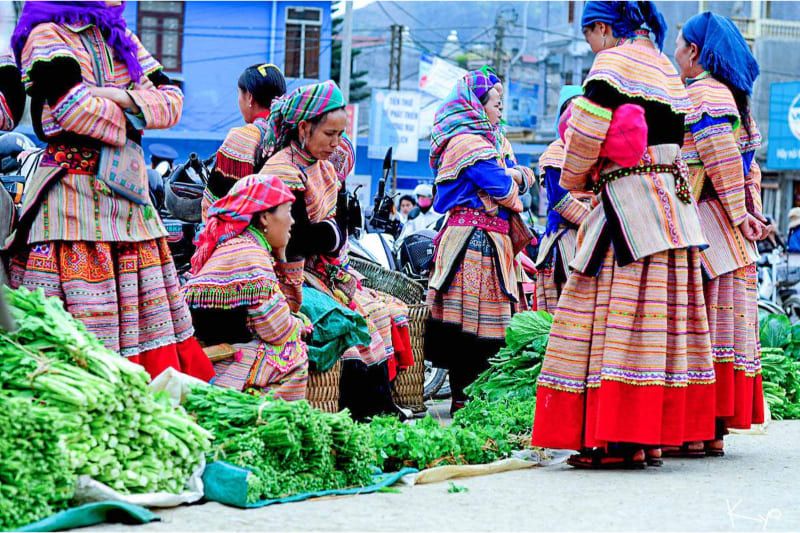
(409, 385)
(323, 388)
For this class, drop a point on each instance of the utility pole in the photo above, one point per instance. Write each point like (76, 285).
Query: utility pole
(347, 50)
(499, 37)
(395, 59)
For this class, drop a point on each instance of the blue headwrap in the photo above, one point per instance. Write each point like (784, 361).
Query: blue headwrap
(567, 92)
(723, 50)
(626, 17)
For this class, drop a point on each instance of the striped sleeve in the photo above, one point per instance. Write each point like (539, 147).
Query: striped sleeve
(99, 118)
(161, 106)
(572, 209)
(753, 191)
(719, 153)
(586, 131)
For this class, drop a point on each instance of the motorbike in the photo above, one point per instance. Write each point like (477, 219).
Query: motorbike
(779, 283)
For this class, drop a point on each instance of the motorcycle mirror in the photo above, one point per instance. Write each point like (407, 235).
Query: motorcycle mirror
(387, 160)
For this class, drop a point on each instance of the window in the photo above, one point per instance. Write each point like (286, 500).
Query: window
(303, 35)
(160, 27)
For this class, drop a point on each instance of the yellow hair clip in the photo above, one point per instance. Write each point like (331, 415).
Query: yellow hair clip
(262, 69)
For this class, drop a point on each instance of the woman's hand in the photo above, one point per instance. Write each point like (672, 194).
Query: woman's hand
(515, 174)
(118, 96)
(752, 228)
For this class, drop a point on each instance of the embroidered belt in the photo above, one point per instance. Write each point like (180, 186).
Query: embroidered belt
(678, 169)
(76, 159)
(463, 216)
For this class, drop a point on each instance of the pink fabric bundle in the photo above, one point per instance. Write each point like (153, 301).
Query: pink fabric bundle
(626, 140)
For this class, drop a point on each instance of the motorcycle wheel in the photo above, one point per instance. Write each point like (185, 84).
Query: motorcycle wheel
(767, 307)
(434, 379)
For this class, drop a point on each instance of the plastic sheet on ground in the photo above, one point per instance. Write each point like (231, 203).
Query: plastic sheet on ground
(519, 461)
(227, 483)
(90, 490)
(176, 384)
(756, 429)
(92, 514)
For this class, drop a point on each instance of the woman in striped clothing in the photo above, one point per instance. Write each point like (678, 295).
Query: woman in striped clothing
(719, 147)
(236, 293)
(473, 286)
(307, 130)
(245, 149)
(565, 213)
(88, 232)
(628, 365)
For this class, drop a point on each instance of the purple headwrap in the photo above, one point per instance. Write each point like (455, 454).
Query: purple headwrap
(108, 19)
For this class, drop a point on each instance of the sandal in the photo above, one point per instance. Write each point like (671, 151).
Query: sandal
(685, 451)
(653, 457)
(598, 459)
(715, 448)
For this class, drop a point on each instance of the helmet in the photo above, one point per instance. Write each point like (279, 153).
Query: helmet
(416, 252)
(184, 200)
(423, 189)
(11, 145)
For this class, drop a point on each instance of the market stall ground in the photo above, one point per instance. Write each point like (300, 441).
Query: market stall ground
(754, 487)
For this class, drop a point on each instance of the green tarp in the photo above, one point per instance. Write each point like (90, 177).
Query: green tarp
(92, 514)
(227, 483)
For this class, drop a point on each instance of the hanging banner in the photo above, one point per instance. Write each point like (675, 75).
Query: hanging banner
(437, 77)
(394, 122)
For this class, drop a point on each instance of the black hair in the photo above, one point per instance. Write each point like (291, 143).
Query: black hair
(264, 82)
(407, 197)
(485, 98)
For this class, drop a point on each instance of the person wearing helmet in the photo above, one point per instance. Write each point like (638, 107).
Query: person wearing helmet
(245, 149)
(424, 216)
(90, 235)
(237, 292)
(306, 129)
(162, 157)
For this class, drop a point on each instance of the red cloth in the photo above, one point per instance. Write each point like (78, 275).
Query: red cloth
(187, 357)
(403, 355)
(654, 416)
(740, 398)
(626, 140)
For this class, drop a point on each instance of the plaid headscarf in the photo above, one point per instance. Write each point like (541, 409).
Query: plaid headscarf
(231, 215)
(462, 112)
(303, 103)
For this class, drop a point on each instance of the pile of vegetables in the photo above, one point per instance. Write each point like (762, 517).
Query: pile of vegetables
(36, 475)
(112, 427)
(780, 366)
(482, 432)
(514, 370)
(289, 447)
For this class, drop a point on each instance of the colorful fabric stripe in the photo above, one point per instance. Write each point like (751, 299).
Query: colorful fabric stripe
(638, 69)
(462, 152)
(303, 103)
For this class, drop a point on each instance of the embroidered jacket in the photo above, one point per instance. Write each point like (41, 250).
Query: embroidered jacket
(60, 65)
(640, 214)
(241, 276)
(12, 94)
(719, 151)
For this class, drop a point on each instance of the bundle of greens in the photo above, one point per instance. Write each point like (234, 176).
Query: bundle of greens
(482, 432)
(123, 434)
(289, 447)
(780, 368)
(37, 478)
(514, 370)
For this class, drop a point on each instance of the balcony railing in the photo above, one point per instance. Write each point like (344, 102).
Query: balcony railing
(782, 30)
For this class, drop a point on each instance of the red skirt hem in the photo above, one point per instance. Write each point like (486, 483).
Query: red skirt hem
(618, 412)
(186, 356)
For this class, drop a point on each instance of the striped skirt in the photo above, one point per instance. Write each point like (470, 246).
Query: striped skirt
(126, 293)
(240, 373)
(629, 357)
(547, 290)
(732, 303)
(475, 299)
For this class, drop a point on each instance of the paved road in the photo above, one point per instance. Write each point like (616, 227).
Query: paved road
(754, 487)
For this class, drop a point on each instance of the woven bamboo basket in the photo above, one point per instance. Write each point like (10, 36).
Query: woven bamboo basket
(323, 388)
(409, 385)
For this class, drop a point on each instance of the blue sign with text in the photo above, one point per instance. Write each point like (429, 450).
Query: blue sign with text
(783, 141)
